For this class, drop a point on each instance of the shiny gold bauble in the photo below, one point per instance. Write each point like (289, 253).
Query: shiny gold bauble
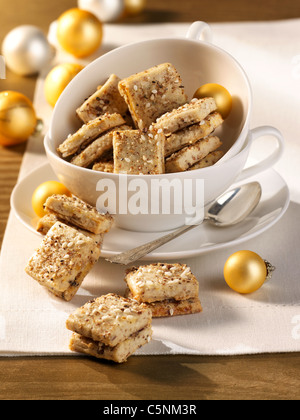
(17, 118)
(79, 32)
(245, 272)
(45, 190)
(134, 7)
(58, 79)
(219, 93)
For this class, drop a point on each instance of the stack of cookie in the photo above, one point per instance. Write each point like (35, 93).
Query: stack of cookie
(110, 327)
(92, 141)
(74, 234)
(166, 289)
(101, 114)
(188, 135)
(144, 124)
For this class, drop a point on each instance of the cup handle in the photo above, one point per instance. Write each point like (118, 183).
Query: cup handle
(200, 31)
(269, 161)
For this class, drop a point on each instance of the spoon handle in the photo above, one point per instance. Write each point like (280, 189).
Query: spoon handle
(139, 252)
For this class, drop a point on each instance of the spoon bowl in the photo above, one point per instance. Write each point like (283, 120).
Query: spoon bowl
(230, 208)
(235, 205)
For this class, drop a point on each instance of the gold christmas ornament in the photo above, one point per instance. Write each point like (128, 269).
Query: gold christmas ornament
(26, 50)
(134, 7)
(245, 272)
(17, 118)
(105, 10)
(219, 93)
(57, 80)
(45, 190)
(79, 32)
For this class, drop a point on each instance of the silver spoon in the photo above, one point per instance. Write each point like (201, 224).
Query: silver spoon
(230, 208)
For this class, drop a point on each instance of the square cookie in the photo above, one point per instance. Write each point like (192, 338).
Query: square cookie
(49, 220)
(119, 353)
(89, 132)
(192, 133)
(171, 307)
(210, 160)
(97, 149)
(104, 166)
(63, 260)
(109, 319)
(190, 155)
(151, 93)
(137, 153)
(78, 213)
(158, 282)
(106, 99)
(186, 115)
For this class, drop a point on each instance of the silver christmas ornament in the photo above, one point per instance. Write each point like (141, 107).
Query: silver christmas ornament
(26, 50)
(105, 10)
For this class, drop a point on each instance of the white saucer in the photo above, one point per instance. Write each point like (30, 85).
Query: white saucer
(205, 238)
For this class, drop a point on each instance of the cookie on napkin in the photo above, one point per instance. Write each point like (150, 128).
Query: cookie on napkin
(166, 289)
(110, 327)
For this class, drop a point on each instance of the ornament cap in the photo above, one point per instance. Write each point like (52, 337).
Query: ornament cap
(270, 270)
(39, 127)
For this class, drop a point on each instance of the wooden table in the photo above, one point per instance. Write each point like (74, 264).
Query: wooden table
(274, 376)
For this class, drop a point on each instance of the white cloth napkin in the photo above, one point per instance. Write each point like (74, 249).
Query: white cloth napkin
(32, 322)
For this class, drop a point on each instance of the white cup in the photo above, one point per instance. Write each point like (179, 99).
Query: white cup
(198, 62)
(120, 190)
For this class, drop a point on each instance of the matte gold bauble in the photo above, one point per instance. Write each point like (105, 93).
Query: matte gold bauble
(17, 118)
(79, 32)
(58, 79)
(245, 272)
(219, 93)
(134, 7)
